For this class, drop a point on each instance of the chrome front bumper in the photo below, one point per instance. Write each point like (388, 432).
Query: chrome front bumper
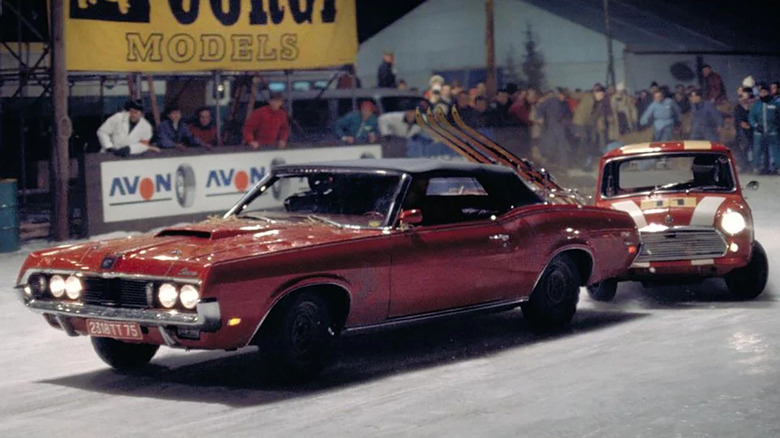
(207, 317)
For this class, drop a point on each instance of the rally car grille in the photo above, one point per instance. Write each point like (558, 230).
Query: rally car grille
(681, 244)
(116, 292)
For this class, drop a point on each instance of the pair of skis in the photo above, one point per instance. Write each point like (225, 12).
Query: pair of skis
(475, 146)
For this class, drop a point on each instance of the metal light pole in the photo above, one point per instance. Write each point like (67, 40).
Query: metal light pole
(610, 55)
(491, 82)
(62, 123)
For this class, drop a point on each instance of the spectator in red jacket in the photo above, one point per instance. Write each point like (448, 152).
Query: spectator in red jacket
(204, 127)
(713, 89)
(268, 125)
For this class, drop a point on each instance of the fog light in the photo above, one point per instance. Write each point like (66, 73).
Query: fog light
(73, 287)
(57, 286)
(189, 296)
(734, 247)
(167, 295)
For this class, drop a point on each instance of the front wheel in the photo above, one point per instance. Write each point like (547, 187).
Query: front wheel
(298, 343)
(604, 290)
(554, 300)
(749, 281)
(123, 356)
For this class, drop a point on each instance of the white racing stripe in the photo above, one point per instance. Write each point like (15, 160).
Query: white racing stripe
(697, 145)
(631, 208)
(704, 215)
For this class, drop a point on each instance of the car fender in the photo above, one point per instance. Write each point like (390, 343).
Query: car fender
(581, 246)
(298, 284)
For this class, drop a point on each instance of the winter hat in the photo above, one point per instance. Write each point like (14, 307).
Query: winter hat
(134, 104)
(621, 86)
(436, 79)
(748, 82)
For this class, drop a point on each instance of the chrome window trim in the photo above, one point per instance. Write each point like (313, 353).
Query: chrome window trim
(266, 182)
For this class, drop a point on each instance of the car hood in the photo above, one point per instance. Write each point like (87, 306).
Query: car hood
(678, 210)
(188, 250)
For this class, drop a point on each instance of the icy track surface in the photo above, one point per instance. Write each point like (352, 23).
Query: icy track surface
(676, 361)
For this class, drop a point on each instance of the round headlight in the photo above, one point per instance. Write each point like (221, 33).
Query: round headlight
(733, 222)
(73, 287)
(57, 286)
(167, 295)
(189, 296)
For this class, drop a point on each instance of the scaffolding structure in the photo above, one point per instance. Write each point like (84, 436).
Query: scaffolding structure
(29, 69)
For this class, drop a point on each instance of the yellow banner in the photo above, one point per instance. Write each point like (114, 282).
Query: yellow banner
(192, 35)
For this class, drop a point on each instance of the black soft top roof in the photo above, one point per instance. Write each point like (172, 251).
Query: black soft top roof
(405, 165)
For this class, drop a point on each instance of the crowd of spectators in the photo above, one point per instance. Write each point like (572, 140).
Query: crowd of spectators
(564, 128)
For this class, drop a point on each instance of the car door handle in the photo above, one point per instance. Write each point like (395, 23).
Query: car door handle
(499, 237)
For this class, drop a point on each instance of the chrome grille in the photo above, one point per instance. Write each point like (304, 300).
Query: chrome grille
(682, 244)
(116, 292)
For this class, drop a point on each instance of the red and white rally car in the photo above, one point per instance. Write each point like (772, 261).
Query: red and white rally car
(694, 223)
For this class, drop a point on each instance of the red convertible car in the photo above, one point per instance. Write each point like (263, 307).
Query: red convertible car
(320, 249)
(694, 223)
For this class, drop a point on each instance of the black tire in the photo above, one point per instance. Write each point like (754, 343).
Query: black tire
(603, 291)
(554, 300)
(749, 281)
(299, 341)
(123, 356)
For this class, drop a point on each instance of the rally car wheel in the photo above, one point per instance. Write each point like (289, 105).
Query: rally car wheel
(603, 291)
(749, 281)
(123, 356)
(298, 344)
(554, 300)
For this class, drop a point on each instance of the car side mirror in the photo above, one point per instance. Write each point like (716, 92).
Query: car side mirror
(409, 218)
(752, 185)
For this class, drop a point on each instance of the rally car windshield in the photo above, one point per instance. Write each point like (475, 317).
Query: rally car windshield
(668, 173)
(350, 199)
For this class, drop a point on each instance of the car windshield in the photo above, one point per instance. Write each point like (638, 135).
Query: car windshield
(665, 173)
(338, 198)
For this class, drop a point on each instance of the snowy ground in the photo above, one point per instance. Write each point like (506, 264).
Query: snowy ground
(668, 362)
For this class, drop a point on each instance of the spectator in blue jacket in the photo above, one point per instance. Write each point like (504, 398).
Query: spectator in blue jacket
(174, 133)
(707, 120)
(764, 118)
(359, 126)
(664, 114)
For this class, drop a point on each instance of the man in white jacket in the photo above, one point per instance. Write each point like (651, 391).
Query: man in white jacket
(399, 124)
(127, 132)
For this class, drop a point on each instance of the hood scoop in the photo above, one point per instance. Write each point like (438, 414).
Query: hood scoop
(207, 233)
(179, 232)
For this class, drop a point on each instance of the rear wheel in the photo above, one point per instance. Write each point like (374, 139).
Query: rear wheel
(554, 300)
(298, 343)
(123, 356)
(750, 280)
(603, 291)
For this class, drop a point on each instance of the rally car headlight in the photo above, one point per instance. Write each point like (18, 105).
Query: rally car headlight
(733, 222)
(167, 295)
(73, 287)
(57, 286)
(189, 296)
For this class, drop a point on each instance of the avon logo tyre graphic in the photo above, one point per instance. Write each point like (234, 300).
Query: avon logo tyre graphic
(185, 185)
